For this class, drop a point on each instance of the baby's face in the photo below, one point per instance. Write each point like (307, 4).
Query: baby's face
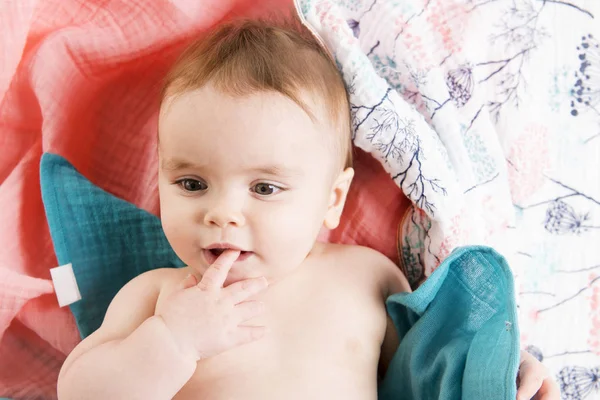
(253, 173)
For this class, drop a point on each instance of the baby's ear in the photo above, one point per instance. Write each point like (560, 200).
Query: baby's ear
(337, 200)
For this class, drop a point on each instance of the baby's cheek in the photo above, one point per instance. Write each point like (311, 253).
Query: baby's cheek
(293, 237)
(176, 234)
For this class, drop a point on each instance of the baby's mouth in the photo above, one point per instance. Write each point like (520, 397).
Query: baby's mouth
(218, 252)
(211, 255)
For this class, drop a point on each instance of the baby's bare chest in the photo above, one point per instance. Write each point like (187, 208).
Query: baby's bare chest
(319, 341)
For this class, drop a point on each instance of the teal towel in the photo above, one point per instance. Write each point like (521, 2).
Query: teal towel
(108, 240)
(459, 334)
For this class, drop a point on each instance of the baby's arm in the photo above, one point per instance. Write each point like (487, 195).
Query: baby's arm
(143, 353)
(395, 282)
(132, 355)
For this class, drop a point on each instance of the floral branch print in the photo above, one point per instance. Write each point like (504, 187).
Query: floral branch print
(537, 293)
(574, 193)
(394, 137)
(504, 63)
(519, 28)
(399, 132)
(577, 383)
(519, 25)
(586, 90)
(358, 121)
(428, 238)
(566, 3)
(351, 86)
(561, 218)
(509, 83)
(414, 95)
(573, 296)
(413, 273)
(482, 183)
(474, 119)
(569, 353)
(369, 9)
(373, 48)
(574, 271)
(416, 189)
(426, 225)
(414, 267)
(439, 107)
(480, 4)
(418, 76)
(354, 26)
(460, 85)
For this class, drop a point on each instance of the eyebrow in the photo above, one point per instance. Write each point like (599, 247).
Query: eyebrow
(276, 170)
(175, 164)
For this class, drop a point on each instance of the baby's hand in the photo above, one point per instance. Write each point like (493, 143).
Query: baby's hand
(207, 319)
(534, 381)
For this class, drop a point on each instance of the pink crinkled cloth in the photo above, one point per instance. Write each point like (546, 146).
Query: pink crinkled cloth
(81, 78)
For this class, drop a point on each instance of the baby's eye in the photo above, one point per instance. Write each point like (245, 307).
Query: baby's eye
(265, 189)
(192, 185)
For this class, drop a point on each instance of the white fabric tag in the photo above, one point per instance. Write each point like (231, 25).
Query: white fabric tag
(65, 285)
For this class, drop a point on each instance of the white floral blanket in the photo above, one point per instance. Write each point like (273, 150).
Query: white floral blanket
(487, 114)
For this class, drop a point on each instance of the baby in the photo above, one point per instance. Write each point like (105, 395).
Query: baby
(254, 159)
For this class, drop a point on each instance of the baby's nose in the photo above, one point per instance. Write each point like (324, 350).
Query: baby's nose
(223, 215)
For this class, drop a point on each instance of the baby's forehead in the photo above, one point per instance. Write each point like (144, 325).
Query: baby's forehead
(265, 121)
(268, 108)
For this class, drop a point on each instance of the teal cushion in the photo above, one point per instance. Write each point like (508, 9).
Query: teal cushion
(459, 332)
(107, 240)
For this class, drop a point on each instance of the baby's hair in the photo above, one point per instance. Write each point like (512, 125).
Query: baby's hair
(248, 56)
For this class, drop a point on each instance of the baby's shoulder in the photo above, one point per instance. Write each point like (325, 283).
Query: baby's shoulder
(367, 262)
(166, 279)
(158, 280)
(160, 276)
(357, 255)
